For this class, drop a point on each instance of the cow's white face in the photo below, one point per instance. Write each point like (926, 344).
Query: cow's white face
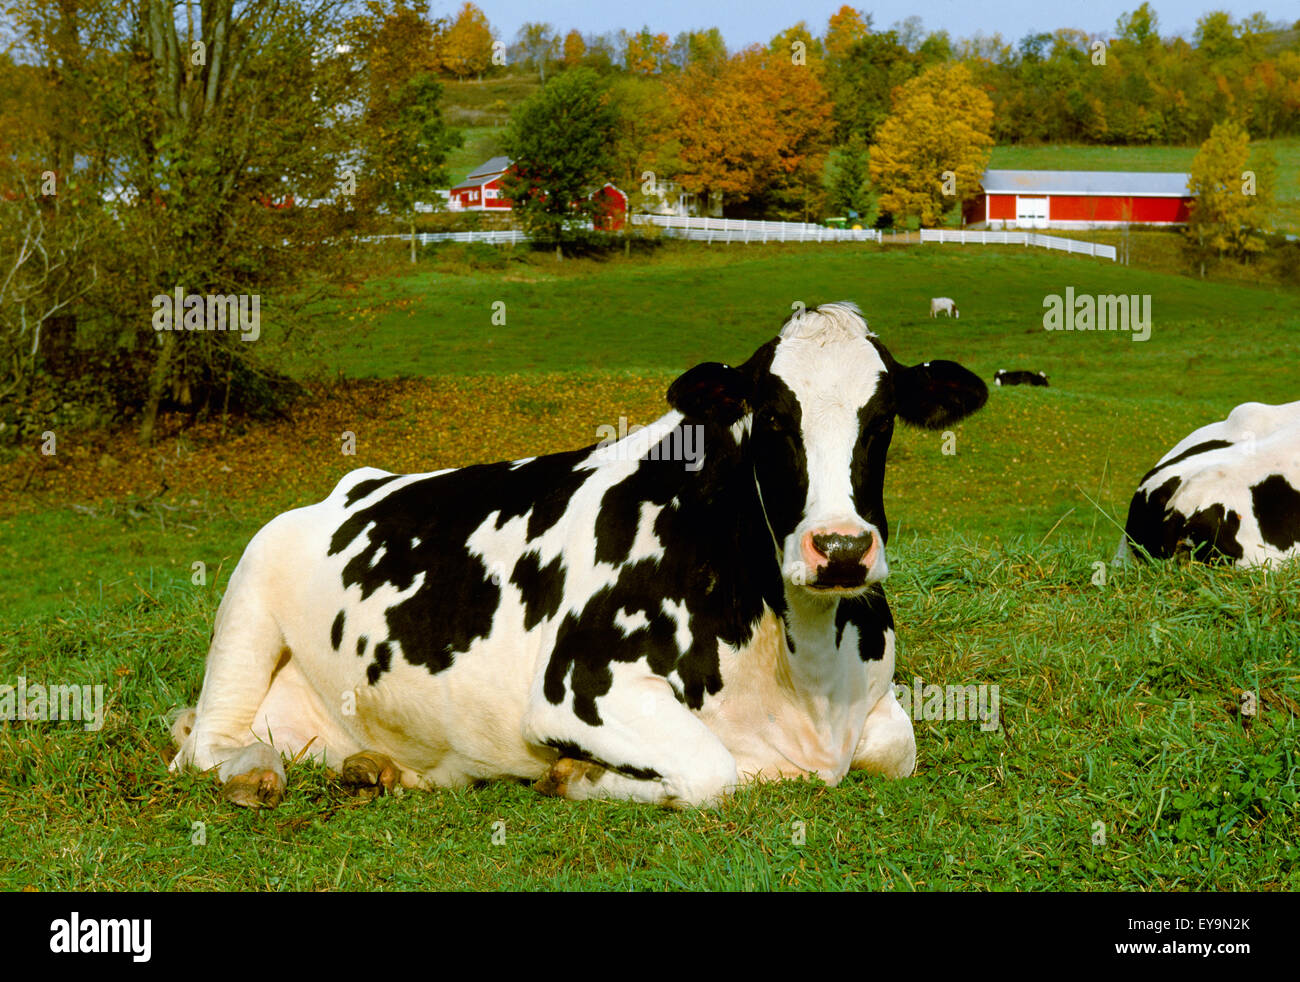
(822, 427)
(815, 409)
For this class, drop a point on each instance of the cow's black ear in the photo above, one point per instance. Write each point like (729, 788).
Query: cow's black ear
(711, 391)
(937, 394)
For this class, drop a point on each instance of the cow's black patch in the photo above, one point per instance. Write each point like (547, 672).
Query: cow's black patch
(1189, 452)
(1210, 534)
(422, 528)
(620, 506)
(542, 587)
(867, 469)
(568, 748)
(363, 488)
(336, 631)
(870, 614)
(780, 461)
(718, 565)
(1145, 524)
(1277, 510)
(361, 646)
(382, 663)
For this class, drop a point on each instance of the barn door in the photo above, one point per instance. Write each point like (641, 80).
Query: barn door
(1031, 212)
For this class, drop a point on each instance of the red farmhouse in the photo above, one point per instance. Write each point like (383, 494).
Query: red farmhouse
(611, 208)
(481, 191)
(1078, 199)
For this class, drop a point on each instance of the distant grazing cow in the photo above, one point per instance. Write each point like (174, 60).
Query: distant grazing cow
(606, 623)
(942, 305)
(1003, 377)
(1226, 493)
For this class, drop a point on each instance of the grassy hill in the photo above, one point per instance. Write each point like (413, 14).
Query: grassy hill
(1118, 698)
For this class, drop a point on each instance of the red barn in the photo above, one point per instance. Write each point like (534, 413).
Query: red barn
(1078, 199)
(611, 208)
(481, 191)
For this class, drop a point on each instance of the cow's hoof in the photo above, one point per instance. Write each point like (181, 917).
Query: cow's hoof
(254, 789)
(370, 774)
(567, 776)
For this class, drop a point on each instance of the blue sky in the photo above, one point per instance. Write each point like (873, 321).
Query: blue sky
(743, 22)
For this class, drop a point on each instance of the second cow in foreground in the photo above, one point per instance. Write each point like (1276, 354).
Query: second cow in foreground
(607, 622)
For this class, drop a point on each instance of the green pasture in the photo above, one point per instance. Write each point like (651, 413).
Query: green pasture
(1123, 759)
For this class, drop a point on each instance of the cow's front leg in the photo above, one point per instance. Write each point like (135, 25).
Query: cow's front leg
(648, 747)
(888, 744)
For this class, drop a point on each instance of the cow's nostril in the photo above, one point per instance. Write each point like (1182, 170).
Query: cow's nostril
(840, 548)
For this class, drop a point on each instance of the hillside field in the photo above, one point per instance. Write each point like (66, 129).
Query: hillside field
(1119, 697)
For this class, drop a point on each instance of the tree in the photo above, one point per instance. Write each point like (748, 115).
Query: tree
(931, 152)
(559, 139)
(189, 207)
(755, 128)
(466, 48)
(849, 190)
(644, 130)
(1228, 205)
(797, 45)
(699, 48)
(574, 49)
(540, 45)
(846, 28)
(408, 147)
(863, 80)
(645, 53)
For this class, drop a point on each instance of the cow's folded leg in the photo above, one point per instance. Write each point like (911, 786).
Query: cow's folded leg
(888, 743)
(370, 773)
(566, 776)
(253, 777)
(648, 748)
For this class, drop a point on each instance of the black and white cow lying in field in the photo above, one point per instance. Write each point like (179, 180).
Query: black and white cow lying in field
(1003, 377)
(1229, 492)
(606, 623)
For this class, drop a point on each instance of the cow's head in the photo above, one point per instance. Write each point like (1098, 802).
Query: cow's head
(813, 411)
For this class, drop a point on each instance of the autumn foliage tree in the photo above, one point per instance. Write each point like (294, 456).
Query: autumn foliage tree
(645, 53)
(930, 153)
(575, 49)
(753, 128)
(1230, 202)
(466, 48)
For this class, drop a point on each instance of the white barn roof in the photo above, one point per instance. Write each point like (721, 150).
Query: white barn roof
(1086, 182)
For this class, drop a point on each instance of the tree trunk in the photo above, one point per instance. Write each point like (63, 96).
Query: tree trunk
(412, 236)
(559, 252)
(157, 383)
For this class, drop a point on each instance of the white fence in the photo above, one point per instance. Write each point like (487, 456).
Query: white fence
(738, 230)
(1018, 238)
(495, 236)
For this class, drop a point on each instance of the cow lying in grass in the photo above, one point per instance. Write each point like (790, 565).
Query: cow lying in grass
(1228, 492)
(605, 623)
(1003, 377)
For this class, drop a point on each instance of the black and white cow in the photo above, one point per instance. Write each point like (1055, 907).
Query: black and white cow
(608, 623)
(1003, 377)
(1226, 493)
